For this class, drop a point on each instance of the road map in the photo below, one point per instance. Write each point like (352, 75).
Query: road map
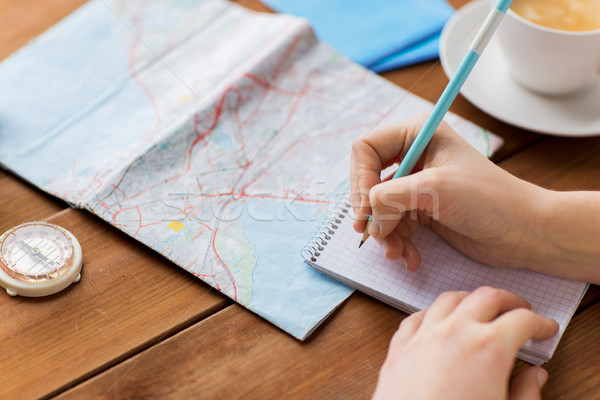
(217, 136)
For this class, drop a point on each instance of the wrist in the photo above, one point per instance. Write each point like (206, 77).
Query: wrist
(530, 215)
(567, 235)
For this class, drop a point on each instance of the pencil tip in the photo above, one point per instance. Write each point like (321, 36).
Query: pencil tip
(361, 243)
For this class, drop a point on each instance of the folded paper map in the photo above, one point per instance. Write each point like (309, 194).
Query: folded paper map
(216, 136)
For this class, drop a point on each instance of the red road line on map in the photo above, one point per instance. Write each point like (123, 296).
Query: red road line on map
(186, 211)
(324, 134)
(222, 263)
(236, 107)
(93, 182)
(139, 220)
(218, 112)
(301, 199)
(257, 177)
(237, 196)
(289, 149)
(237, 161)
(220, 106)
(268, 86)
(205, 225)
(230, 193)
(299, 97)
(201, 233)
(207, 276)
(145, 89)
(286, 54)
(196, 129)
(201, 136)
(257, 108)
(189, 267)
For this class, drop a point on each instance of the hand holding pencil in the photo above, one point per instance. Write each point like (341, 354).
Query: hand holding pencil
(441, 107)
(475, 205)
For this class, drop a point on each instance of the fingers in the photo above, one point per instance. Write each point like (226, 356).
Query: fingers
(361, 181)
(407, 328)
(509, 315)
(486, 303)
(386, 145)
(443, 306)
(391, 200)
(393, 243)
(387, 204)
(412, 257)
(372, 152)
(359, 224)
(365, 170)
(520, 325)
(397, 246)
(527, 385)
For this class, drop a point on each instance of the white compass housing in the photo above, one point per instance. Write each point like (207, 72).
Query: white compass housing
(38, 259)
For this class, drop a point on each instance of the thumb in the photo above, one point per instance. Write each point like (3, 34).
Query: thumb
(390, 200)
(527, 385)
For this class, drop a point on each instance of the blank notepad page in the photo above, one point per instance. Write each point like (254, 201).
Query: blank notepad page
(442, 269)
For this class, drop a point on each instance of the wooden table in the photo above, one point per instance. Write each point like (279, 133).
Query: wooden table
(137, 326)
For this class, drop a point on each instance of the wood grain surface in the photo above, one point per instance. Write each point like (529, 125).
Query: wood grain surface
(129, 299)
(139, 327)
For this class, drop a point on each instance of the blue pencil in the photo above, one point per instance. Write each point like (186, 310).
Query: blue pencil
(441, 107)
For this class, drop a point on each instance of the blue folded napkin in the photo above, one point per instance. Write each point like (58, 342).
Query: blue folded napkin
(426, 50)
(379, 34)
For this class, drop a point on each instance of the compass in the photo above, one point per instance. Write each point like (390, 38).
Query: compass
(38, 259)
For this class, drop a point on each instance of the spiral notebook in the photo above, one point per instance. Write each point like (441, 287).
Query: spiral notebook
(334, 251)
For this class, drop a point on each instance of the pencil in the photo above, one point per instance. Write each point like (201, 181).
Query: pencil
(441, 107)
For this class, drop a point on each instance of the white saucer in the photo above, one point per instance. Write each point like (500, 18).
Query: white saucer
(490, 87)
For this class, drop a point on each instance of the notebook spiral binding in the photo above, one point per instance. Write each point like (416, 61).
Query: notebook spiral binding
(313, 248)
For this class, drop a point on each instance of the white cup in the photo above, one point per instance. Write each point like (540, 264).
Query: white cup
(549, 61)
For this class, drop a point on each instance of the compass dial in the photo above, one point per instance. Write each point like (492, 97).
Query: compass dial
(38, 254)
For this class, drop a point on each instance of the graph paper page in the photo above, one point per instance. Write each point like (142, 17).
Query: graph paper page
(442, 269)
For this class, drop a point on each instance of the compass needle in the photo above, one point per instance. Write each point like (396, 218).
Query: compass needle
(26, 246)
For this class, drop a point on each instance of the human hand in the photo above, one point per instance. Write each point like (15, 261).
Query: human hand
(464, 347)
(476, 206)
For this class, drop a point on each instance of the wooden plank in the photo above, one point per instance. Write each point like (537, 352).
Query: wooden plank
(22, 20)
(574, 370)
(235, 354)
(559, 164)
(21, 202)
(254, 5)
(592, 295)
(128, 299)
